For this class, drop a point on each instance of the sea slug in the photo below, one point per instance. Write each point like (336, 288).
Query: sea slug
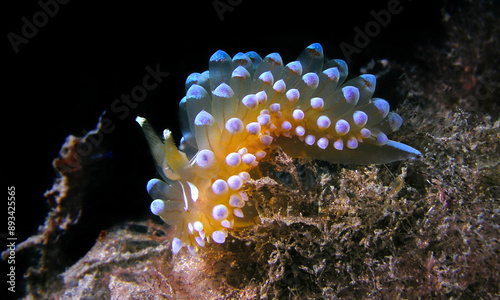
(234, 112)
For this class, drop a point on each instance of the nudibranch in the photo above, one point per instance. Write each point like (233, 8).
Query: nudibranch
(234, 112)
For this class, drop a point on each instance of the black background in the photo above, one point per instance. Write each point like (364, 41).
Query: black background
(91, 52)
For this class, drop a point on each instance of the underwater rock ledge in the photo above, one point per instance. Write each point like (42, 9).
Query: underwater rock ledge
(326, 231)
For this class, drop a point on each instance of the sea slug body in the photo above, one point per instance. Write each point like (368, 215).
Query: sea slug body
(234, 112)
